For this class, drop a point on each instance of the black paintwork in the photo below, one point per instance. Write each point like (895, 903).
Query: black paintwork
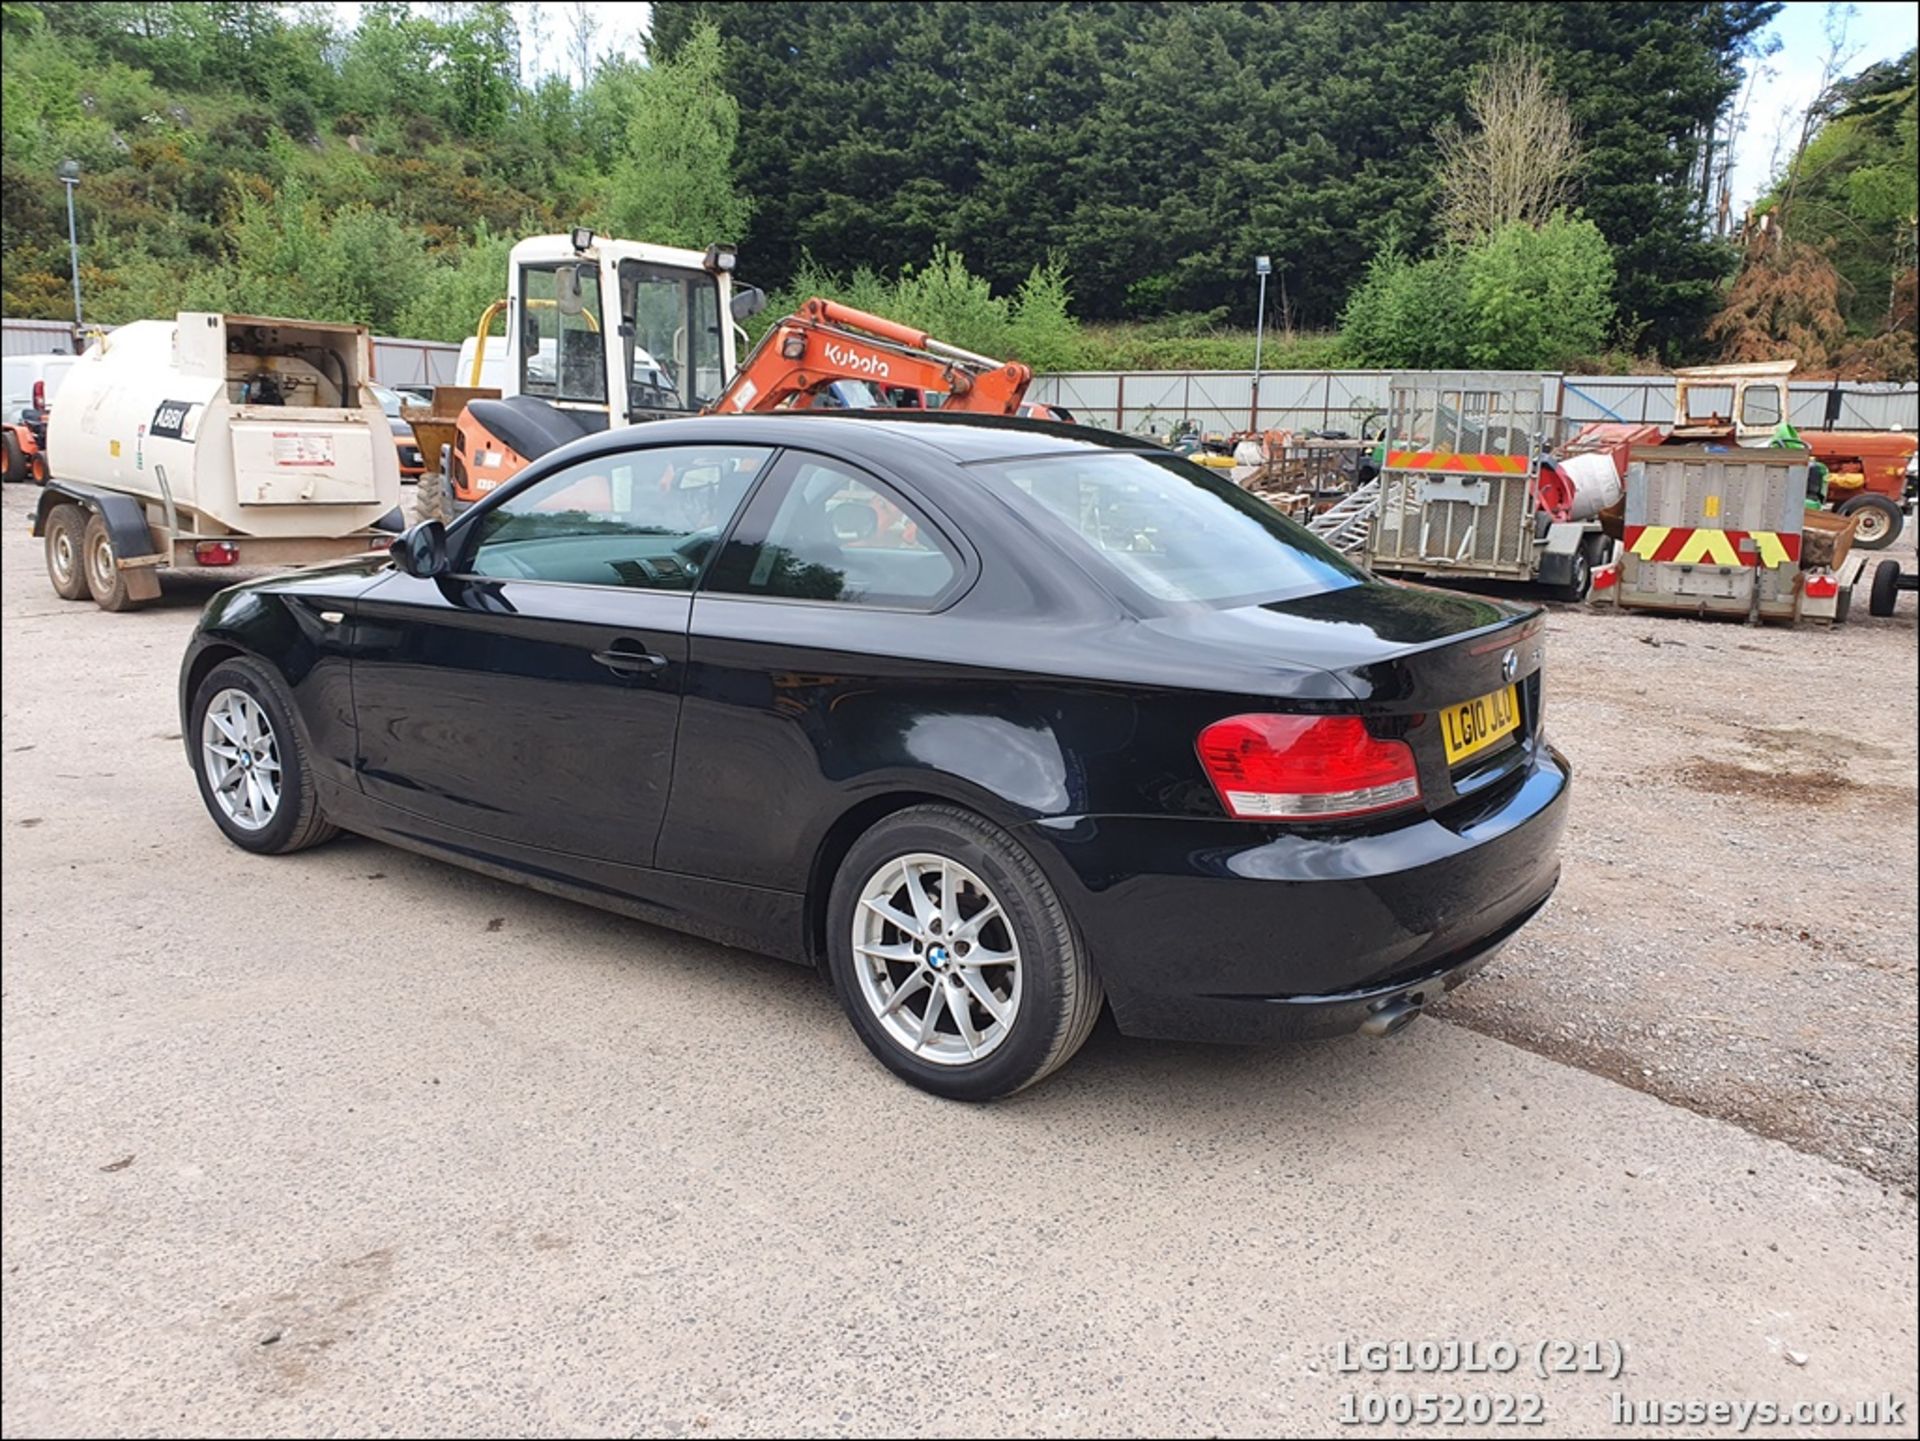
(715, 792)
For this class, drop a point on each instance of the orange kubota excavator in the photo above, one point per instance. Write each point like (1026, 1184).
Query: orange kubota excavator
(676, 355)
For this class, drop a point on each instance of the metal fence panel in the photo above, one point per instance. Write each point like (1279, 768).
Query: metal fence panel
(1223, 400)
(395, 362)
(414, 362)
(36, 337)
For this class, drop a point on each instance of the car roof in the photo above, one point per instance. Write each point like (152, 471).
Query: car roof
(962, 438)
(968, 438)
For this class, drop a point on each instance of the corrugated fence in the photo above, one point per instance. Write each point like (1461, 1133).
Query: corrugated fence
(395, 362)
(1223, 400)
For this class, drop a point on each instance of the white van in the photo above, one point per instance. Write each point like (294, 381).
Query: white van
(21, 374)
(28, 384)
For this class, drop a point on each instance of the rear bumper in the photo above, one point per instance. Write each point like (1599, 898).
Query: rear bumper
(1218, 931)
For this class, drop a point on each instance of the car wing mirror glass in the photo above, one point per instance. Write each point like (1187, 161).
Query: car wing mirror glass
(422, 551)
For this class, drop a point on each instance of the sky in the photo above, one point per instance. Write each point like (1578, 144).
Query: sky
(1790, 79)
(1787, 81)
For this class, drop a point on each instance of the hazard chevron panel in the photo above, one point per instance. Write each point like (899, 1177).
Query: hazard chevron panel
(1702, 545)
(1457, 462)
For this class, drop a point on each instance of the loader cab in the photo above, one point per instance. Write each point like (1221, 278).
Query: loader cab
(626, 330)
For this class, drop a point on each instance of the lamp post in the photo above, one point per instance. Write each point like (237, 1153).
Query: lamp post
(70, 177)
(1262, 267)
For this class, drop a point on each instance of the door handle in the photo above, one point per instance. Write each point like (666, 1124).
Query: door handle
(630, 657)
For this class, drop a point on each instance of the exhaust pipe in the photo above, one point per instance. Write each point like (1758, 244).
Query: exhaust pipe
(1395, 1016)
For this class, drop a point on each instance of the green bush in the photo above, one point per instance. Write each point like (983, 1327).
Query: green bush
(458, 288)
(952, 304)
(1523, 299)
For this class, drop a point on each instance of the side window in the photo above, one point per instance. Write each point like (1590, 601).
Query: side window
(644, 519)
(825, 531)
(562, 354)
(1760, 405)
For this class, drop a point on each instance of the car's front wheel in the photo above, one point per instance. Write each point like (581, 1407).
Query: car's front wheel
(251, 764)
(955, 960)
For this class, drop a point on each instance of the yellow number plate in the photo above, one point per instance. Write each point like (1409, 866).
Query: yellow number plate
(1475, 725)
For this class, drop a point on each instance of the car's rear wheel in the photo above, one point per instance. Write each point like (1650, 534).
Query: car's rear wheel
(955, 960)
(251, 765)
(66, 539)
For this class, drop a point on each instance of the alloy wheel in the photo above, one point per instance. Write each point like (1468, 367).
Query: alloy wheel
(936, 959)
(241, 756)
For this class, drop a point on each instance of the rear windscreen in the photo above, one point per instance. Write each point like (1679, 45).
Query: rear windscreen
(1174, 530)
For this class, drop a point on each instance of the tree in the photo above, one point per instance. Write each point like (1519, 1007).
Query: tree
(583, 33)
(673, 183)
(1523, 298)
(1518, 164)
(1157, 148)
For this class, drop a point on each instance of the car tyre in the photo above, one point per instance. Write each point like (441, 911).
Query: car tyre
(1885, 594)
(1044, 1007)
(105, 580)
(1880, 521)
(65, 534)
(267, 803)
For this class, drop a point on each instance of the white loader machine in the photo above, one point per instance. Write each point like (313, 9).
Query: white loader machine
(209, 441)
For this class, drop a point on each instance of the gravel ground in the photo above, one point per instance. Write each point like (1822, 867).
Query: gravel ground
(356, 1143)
(1735, 929)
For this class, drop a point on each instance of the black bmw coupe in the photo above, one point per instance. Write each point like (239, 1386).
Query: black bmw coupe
(994, 721)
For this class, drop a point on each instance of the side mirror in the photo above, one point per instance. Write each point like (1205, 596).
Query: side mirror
(422, 551)
(747, 300)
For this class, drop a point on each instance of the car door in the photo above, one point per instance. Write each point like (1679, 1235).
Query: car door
(809, 665)
(532, 695)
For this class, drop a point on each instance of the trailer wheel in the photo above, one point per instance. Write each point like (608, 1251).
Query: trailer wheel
(15, 462)
(1886, 588)
(1576, 588)
(104, 578)
(1880, 521)
(66, 532)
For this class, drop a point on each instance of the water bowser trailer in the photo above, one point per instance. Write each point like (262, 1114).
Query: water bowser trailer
(214, 440)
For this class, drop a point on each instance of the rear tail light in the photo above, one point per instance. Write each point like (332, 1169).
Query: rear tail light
(1297, 767)
(39, 395)
(1822, 587)
(215, 552)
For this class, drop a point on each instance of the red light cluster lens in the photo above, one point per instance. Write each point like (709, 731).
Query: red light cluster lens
(215, 552)
(1296, 767)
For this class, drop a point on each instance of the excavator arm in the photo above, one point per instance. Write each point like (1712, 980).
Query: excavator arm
(824, 341)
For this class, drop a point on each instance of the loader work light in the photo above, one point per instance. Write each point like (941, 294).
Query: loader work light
(582, 237)
(719, 259)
